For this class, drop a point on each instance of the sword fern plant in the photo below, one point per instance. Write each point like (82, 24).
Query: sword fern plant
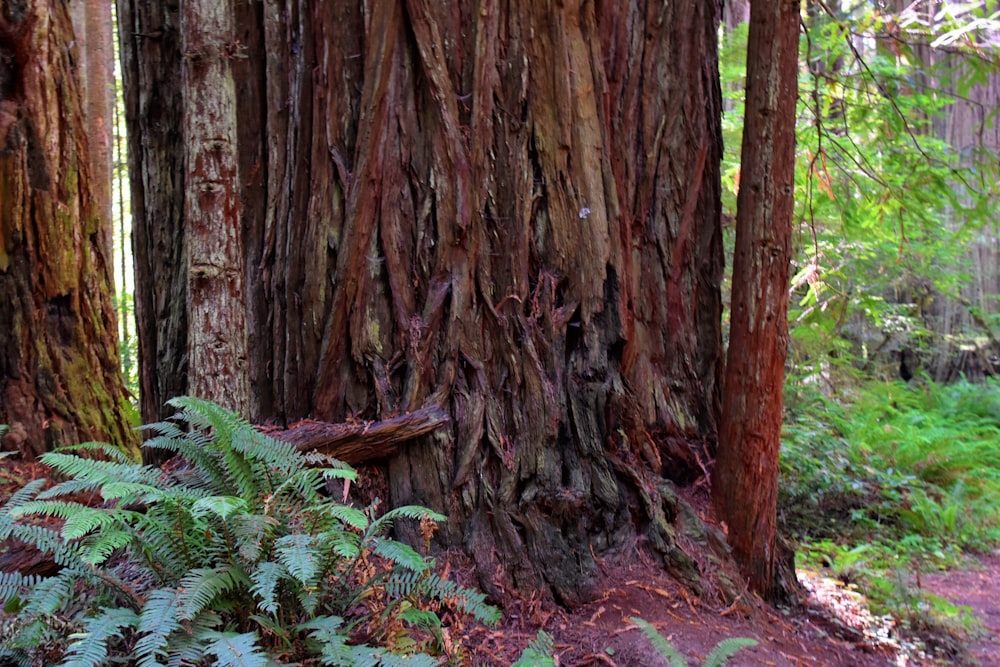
(236, 557)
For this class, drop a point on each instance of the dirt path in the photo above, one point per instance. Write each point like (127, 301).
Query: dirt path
(978, 589)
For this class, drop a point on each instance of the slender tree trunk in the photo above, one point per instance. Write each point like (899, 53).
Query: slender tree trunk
(151, 58)
(745, 485)
(94, 57)
(60, 382)
(216, 298)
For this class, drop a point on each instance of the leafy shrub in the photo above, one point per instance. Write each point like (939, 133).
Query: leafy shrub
(236, 558)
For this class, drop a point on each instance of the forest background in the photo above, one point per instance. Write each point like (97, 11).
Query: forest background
(895, 278)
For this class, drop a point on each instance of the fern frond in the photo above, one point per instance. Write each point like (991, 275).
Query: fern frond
(430, 585)
(367, 656)
(220, 506)
(14, 585)
(384, 523)
(538, 653)
(207, 416)
(83, 520)
(344, 544)
(188, 647)
(102, 448)
(660, 643)
(725, 650)
(97, 548)
(48, 541)
(235, 650)
(201, 586)
(399, 554)
(91, 646)
(253, 533)
(300, 555)
(349, 516)
(265, 580)
(100, 472)
(328, 633)
(50, 594)
(157, 621)
(69, 487)
(23, 495)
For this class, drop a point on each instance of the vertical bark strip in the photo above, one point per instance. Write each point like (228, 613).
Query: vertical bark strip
(151, 70)
(216, 299)
(94, 55)
(60, 382)
(745, 484)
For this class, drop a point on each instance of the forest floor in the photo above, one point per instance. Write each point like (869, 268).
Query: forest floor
(833, 627)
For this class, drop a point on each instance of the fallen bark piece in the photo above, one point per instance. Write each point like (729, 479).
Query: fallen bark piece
(361, 441)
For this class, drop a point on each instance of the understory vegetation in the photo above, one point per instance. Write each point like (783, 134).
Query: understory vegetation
(237, 555)
(889, 481)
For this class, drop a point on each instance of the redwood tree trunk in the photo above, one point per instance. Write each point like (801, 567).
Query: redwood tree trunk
(60, 382)
(745, 485)
(216, 298)
(506, 208)
(94, 57)
(151, 58)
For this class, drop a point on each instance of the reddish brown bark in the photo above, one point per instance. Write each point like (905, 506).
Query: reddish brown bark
(362, 442)
(60, 382)
(151, 57)
(213, 234)
(505, 209)
(94, 56)
(745, 484)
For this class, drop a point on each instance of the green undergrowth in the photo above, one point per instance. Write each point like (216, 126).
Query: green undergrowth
(893, 481)
(236, 557)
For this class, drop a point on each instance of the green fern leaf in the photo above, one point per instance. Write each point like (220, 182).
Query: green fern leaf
(158, 619)
(97, 548)
(49, 595)
(235, 650)
(384, 522)
(400, 554)
(102, 449)
(201, 586)
(91, 646)
(349, 516)
(265, 580)
(538, 653)
(426, 584)
(344, 544)
(188, 647)
(660, 643)
(14, 585)
(725, 650)
(221, 506)
(299, 553)
(88, 519)
(252, 533)
(23, 495)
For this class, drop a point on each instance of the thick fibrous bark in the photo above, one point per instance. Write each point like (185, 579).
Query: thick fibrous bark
(59, 377)
(506, 209)
(213, 234)
(152, 79)
(745, 484)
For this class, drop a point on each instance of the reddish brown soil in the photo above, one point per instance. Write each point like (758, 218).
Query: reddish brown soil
(601, 634)
(977, 588)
